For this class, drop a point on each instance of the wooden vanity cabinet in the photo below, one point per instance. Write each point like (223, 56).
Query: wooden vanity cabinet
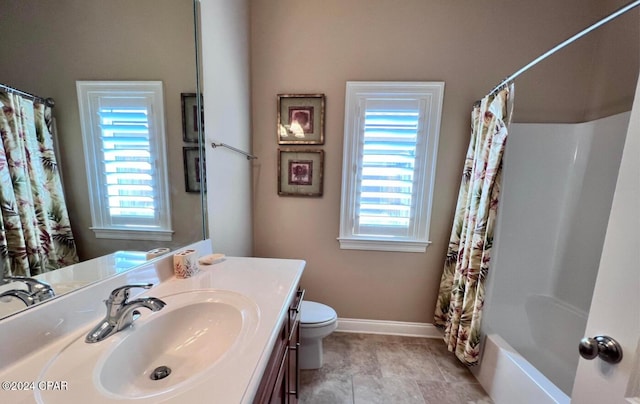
(281, 379)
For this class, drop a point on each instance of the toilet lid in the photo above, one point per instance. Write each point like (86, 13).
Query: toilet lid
(312, 313)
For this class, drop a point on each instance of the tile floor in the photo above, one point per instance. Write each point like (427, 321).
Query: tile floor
(371, 369)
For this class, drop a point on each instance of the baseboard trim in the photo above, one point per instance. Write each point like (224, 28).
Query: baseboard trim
(407, 329)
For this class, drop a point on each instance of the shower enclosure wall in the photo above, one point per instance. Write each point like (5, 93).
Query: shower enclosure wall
(557, 189)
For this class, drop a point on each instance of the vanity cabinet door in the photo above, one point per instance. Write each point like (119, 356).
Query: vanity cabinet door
(281, 380)
(269, 386)
(279, 395)
(293, 376)
(293, 370)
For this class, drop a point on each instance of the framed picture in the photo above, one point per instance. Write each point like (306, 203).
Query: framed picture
(301, 118)
(300, 172)
(194, 180)
(190, 117)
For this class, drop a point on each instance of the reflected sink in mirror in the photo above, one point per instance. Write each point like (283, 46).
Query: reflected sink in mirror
(195, 332)
(74, 277)
(10, 305)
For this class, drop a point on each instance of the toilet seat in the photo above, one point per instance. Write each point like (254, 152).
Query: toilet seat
(315, 315)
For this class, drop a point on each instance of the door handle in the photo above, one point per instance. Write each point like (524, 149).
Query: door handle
(607, 348)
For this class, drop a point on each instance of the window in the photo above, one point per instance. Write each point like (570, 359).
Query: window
(124, 143)
(390, 142)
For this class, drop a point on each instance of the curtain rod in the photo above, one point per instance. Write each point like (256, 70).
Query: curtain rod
(249, 156)
(50, 102)
(561, 45)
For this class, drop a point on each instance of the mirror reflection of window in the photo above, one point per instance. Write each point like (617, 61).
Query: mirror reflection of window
(125, 158)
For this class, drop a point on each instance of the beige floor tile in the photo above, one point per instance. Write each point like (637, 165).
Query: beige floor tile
(452, 369)
(385, 390)
(414, 361)
(329, 390)
(438, 392)
(471, 393)
(348, 356)
(370, 369)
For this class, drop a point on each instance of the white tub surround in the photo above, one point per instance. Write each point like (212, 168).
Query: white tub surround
(558, 185)
(47, 330)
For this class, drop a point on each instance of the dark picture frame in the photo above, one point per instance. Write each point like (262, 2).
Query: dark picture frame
(189, 117)
(193, 180)
(301, 119)
(300, 172)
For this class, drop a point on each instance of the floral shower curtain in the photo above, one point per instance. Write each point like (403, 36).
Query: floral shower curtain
(35, 233)
(461, 297)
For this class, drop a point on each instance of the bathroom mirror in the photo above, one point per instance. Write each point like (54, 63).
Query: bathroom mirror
(48, 46)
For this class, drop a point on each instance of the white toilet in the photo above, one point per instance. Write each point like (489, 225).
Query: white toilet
(316, 322)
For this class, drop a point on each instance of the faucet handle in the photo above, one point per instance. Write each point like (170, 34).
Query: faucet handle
(121, 294)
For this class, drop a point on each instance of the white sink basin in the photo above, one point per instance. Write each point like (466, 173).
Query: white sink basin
(195, 332)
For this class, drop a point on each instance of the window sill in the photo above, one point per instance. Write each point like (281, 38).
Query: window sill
(383, 245)
(133, 234)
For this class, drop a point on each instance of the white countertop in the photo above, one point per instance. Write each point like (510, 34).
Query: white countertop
(270, 283)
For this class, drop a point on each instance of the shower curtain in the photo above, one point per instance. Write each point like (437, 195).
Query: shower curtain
(461, 297)
(35, 233)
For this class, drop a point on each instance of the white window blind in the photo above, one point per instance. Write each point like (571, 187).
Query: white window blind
(123, 132)
(390, 141)
(129, 177)
(385, 195)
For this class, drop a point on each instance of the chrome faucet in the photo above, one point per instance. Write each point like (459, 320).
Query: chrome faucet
(120, 312)
(23, 295)
(39, 290)
(36, 292)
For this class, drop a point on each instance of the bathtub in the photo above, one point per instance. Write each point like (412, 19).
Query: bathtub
(538, 354)
(509, 378)
(557, 188)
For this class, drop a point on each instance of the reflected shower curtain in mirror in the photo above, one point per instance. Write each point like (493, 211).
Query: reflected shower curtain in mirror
(461, 297)
(35, 233)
